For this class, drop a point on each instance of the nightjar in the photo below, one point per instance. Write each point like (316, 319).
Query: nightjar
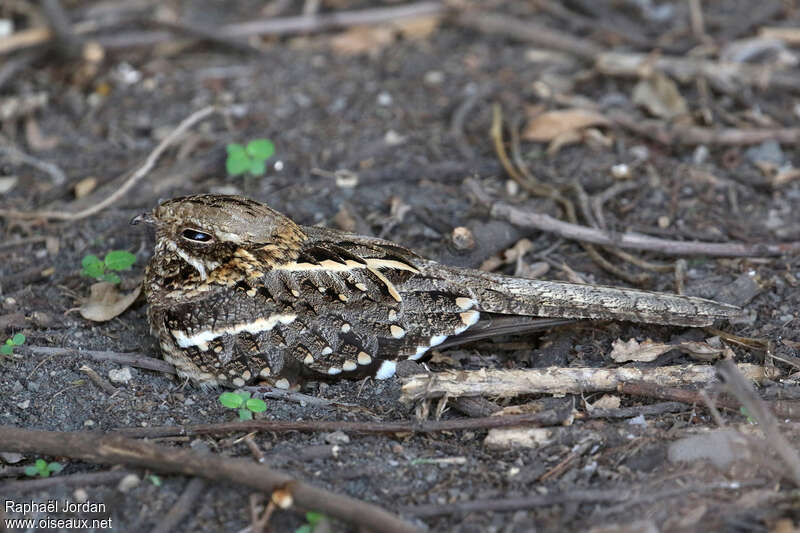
(238, 292)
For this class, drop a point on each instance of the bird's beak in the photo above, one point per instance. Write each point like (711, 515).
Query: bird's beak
(147, 218)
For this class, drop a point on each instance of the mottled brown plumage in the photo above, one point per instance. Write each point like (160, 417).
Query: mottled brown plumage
(238, 292)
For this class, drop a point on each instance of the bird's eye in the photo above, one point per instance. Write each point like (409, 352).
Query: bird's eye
(197, 236)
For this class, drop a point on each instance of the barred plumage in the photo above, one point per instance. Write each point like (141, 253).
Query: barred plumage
(238, 292)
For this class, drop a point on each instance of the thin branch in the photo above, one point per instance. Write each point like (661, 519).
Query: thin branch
(74, 480)
(55, 173)
(114, 449)
(638, 241)
(544, 418)
(135, 359)
(171, 522)
(134, 178)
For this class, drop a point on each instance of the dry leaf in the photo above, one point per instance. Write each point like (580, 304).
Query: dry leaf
(363, 39)
(608, 401)
(785, 176)
(415, 28)
(548, 126)
(633, 350)
(660, 96)
(106, 302)
(84, 187)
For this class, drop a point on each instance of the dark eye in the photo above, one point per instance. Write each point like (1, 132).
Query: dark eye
(197, 236)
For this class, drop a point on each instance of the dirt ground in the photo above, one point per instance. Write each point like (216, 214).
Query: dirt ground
(407, 108)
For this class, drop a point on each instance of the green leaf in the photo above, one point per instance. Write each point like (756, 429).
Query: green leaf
(18, 339)
(244, 394)
(314, 518)
(6, 349)
(237, 164)
(92, 266)
(235, 149)
(305, 528)
(231, 400)
(256, 405)
(31, 471)
(110, 277)
(89, 260)
(155, 480)
(257, 167)
(41, 465)
(244, 414)
(261, 149)
(119, 260)
(55, 467)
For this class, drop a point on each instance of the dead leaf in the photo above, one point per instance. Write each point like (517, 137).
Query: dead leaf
(608, 401)
(548, 126)
(363, 39)
(37, 141)
(782, 177)
(85, 186)
(660, 96)
(633, 350)
(416, 28)
(106, 302)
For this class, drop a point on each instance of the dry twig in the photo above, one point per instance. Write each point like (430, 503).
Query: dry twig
(114, 449)
(555, 380)
(141, 172)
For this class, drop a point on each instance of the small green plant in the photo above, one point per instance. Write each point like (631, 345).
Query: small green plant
(244, 403)
(8, 348)
(115, 260)
(43, 469)
(251, 158)
(312, 519)
(155, 480)
(744, 412)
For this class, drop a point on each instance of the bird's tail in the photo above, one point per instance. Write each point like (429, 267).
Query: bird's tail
(507, 295)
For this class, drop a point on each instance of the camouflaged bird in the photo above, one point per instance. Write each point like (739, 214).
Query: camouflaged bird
(238, 292)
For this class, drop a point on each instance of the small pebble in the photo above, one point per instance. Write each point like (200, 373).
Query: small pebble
(80, 495)
(463, 238)
(129, 482)
(663, 222)
(434, 77)
(121, 375)
(337, 437)
(385, 99)
(621, 171)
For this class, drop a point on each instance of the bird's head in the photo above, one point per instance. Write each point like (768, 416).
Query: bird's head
(208, 231)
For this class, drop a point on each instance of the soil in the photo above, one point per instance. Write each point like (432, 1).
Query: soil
(411, 119)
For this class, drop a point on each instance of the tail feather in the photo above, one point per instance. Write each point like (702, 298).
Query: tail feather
(506, 295)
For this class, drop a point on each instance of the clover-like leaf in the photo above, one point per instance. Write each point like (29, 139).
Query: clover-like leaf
(314, 518)
(119, 260)
(55, 467)
(305, 528)
(258, 167)
(238, 162)
(6, 349)
(256, 405)
(31, 471)
(260, 149)
(244, 414)
(18, 339)
(92, 266)
(231, 400)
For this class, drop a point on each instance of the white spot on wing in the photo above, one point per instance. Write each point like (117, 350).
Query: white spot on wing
(468, 318)
(419, 353)
(465, 303)
(397, 332)
(386, 370)
(333, 371)
(364, 358)
(349, 366)
(257, 326)
(436, 340)
(327, 350)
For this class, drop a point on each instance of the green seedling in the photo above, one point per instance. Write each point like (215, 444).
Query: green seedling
(312, 519)
(8, 348)
(155, 480)
(744, 412)
(251, 158)
(115, 260)
(244, 403)
(43, 469)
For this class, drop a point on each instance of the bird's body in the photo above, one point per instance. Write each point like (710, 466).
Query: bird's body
(239, 292)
